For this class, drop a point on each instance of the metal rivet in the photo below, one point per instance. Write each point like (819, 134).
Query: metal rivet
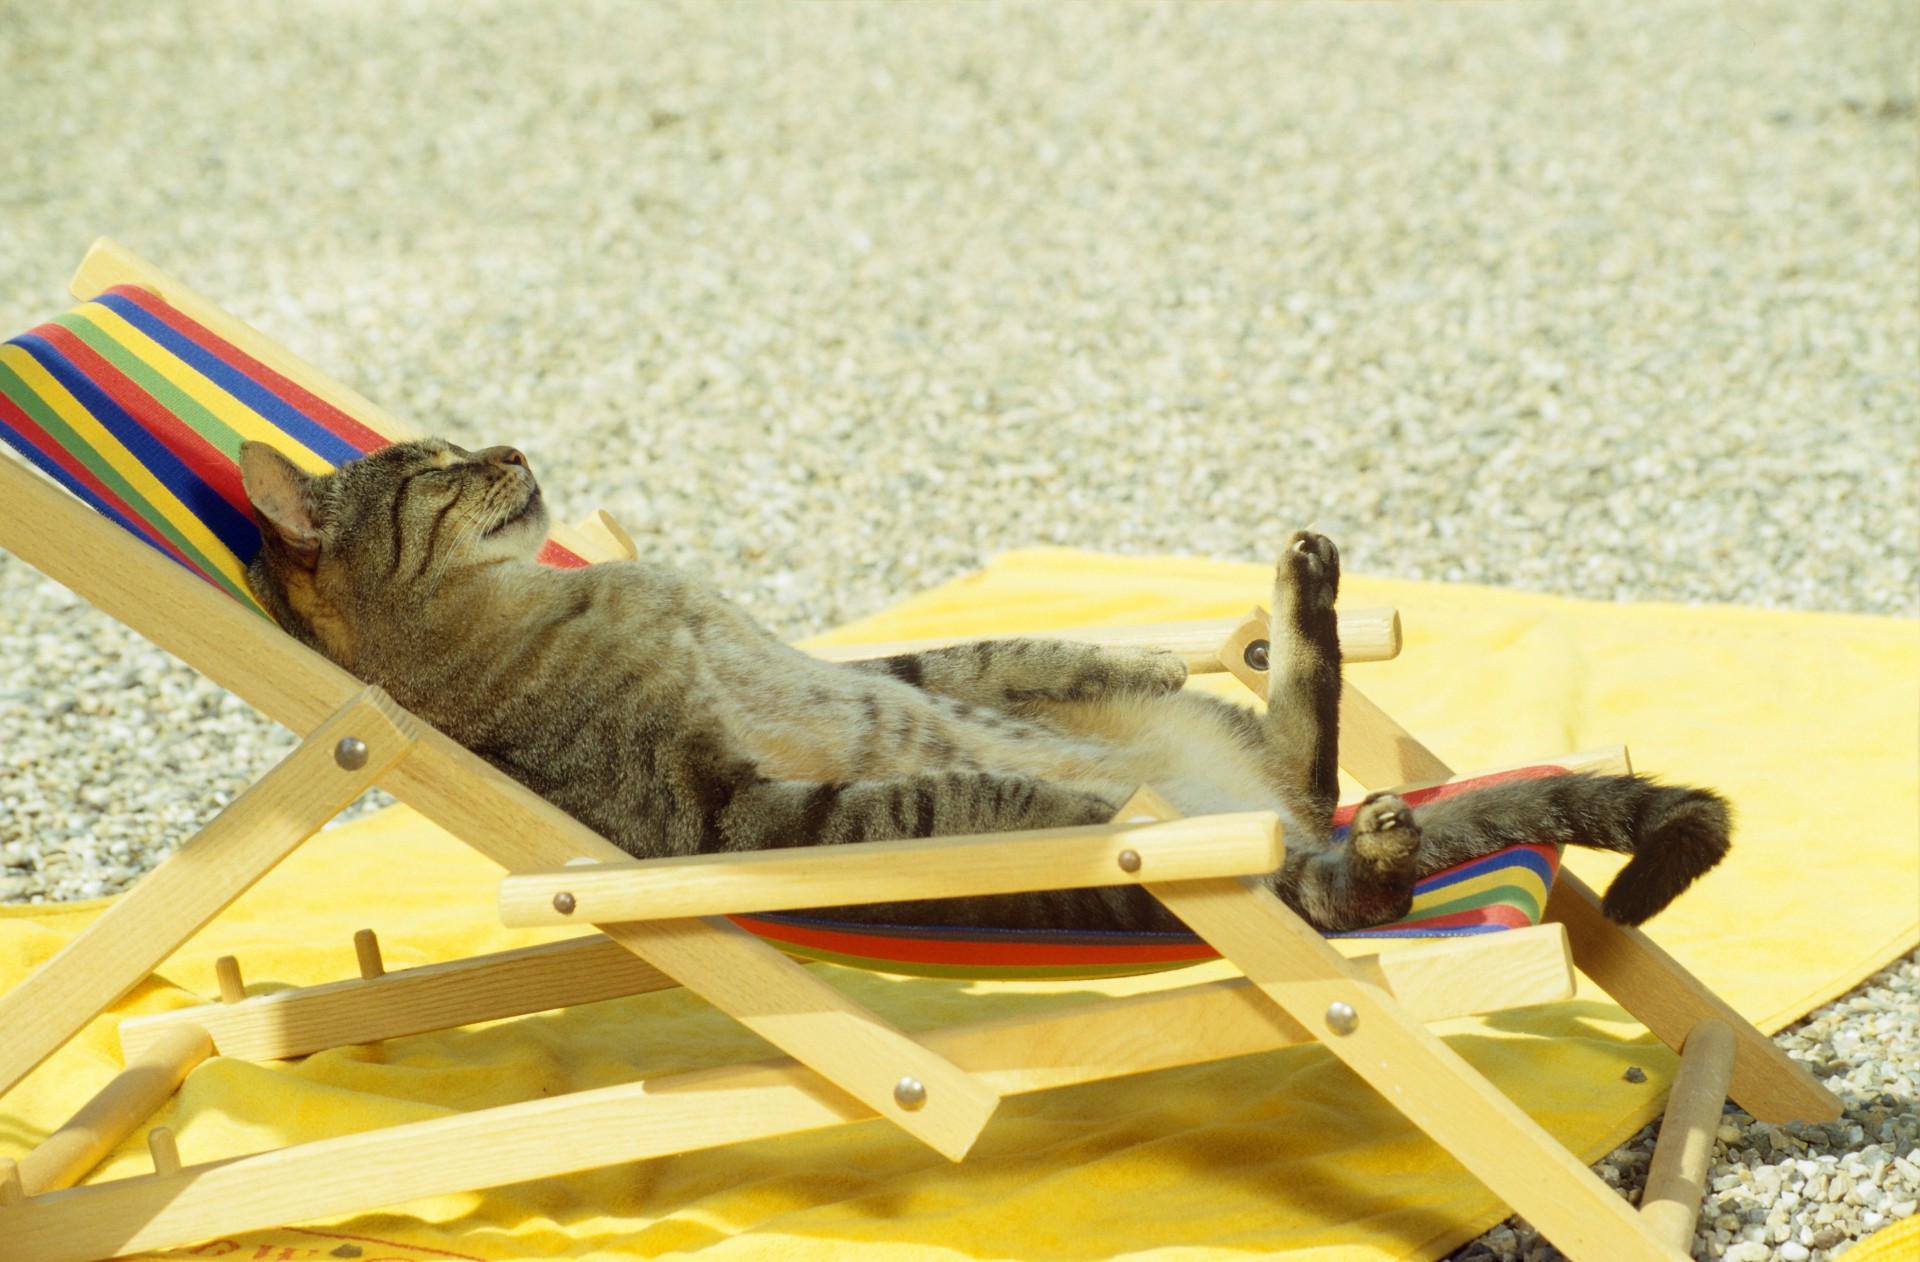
(910, 1094)
(1256, 655)
(563, 903)
(1129, 860)
(351, 753)
(1341, 1018)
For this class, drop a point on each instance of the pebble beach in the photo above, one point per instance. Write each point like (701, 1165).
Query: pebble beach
(834, 303)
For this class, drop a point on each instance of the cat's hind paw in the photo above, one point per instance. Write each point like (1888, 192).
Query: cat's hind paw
(1383, 838)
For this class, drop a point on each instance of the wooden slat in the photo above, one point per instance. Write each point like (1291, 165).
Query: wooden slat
(892, 871)
(218, 864)
(1366, 635)
(1014, 1054)
(299, 1022)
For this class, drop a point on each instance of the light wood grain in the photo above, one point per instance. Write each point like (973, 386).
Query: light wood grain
(892, 871)
(366, 953)
(1663, 996)
(1366, 635)
(299, 1022)
(132, 1096)
(164, 1150)
(1020, 1053)
(1416, 1072)
(226, 974)
(608, 534)
(1677, 1175)
(214, 867)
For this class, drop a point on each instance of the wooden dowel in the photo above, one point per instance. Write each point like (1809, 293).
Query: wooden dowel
(1366, 635)
(366, 947)
(888, 871)
(232, 988)
(63, 1158)
(165, 1151)
(1677, 1176)
(11, 1193)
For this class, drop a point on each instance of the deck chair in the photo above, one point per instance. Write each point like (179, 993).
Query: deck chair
(117, 400)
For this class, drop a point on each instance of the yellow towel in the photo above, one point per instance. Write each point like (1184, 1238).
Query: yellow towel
(1805, 720)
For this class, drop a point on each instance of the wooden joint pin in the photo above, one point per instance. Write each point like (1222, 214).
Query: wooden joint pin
(227, 970)
(366, 947)
(11, 1192)
(165, 1150)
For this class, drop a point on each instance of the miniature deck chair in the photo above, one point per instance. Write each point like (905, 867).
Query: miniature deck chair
(122, 399)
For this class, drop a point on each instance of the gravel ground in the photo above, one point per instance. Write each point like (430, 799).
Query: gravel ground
(833, 303)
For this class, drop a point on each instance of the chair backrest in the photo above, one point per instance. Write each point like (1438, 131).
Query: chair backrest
(140, 411)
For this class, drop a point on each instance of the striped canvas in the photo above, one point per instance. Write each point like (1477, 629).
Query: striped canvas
(140, 411)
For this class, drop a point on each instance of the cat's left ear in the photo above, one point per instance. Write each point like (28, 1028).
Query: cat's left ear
(286, 499)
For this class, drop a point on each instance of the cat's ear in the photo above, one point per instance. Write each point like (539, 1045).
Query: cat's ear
(286, 499)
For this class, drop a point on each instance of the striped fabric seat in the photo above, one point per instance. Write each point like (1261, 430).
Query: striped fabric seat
(140, 411)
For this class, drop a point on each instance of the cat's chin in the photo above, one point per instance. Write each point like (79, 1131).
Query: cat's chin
(529, 518)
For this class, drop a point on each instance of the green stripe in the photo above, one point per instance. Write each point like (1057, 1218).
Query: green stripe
(1513, 895)
(154, 382)
(48, 419)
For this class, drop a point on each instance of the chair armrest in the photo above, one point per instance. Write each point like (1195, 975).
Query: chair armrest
(890, 871)
(1366, 635)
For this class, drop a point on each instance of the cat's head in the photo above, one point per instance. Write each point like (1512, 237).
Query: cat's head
(379, 535)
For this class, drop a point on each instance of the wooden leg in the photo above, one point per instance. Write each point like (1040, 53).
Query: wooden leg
(897, 1077)
(1671, 1002)
(216, 866)
(1420, 1075)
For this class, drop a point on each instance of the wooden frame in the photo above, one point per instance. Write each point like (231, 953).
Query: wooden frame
(844, 1062)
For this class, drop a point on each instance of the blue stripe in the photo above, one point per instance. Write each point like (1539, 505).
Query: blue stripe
(249, 393)
(34, 456)
(236, 532)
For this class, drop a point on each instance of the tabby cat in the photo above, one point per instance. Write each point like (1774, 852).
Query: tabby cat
(647, 706)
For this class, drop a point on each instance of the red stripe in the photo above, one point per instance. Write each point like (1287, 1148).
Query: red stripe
(207, 462)
(1012, 953)
(317, 409)
(297, 397)
(1505, 915)
(1440, 792)
(44, 443)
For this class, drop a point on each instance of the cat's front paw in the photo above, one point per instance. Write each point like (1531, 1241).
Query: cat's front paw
(1310, 570)
(1383, 837)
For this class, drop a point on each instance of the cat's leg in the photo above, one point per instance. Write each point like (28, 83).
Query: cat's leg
(1303, 675)
(1025, 675)
(1369, 879)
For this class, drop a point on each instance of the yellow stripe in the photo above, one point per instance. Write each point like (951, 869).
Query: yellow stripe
(236, 415)
(96, 436)
(1517, 876)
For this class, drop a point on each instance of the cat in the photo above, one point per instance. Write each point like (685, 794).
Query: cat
(643, 703)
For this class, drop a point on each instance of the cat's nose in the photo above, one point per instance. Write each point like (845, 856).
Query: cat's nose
(504, 455)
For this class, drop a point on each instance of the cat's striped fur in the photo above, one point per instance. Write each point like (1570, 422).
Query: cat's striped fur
(643, 703)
